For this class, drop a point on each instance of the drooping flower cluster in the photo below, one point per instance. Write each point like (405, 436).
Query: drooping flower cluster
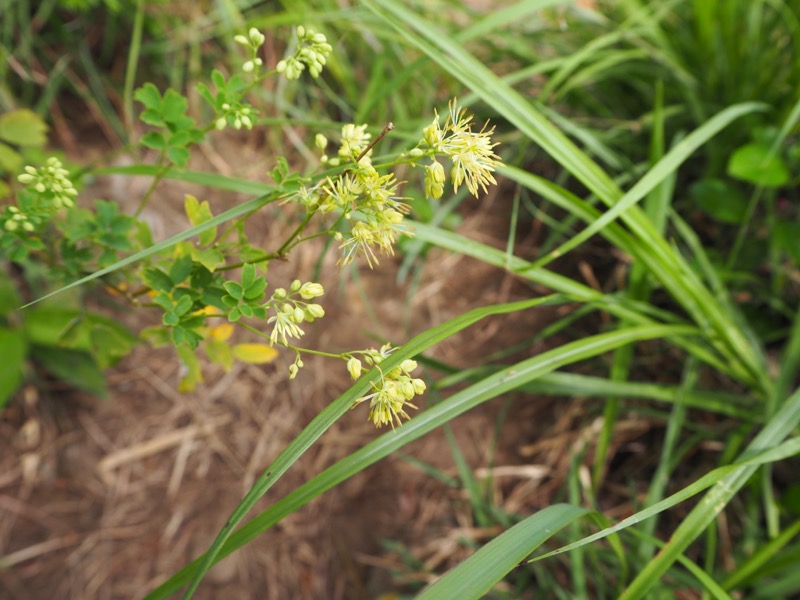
(313, 52)
(471, 153)
(52, 184)
(392, 392)
(290, 311)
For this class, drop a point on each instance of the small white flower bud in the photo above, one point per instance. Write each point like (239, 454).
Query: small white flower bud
(354, 367)
(408, 365)
(315, 311)
(311, 290)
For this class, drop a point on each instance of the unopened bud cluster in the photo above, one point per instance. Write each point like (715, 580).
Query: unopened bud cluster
(254, 40)
(312, 52)
(239, 115)
(16, 220)
(51, 184)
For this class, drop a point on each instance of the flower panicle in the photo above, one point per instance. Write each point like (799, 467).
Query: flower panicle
(392, 392)
(471, 152)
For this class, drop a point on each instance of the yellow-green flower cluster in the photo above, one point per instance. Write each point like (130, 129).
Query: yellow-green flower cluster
(368, 201)
(290, 312)
(392, 393)
(313, 52)
(471, 153)
(51, 183)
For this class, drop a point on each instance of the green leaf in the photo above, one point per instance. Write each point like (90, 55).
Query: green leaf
(180, 269)
(15, 350)
(234, 290)
(719, 199)
(173, 106)
(148, 95)
(73, 366)
(47, 325)
(183, 305)
(200, 212)
(23, 127)
(757, 164)
(476, 575)
(10, 160)
(9, 298)
(255, 291)
(248, 276)
(154, 140)
(205, 93)
(110, 342)
(178, 156)
(158, 280)
(787, 238)
(184, 336)
(210, 258)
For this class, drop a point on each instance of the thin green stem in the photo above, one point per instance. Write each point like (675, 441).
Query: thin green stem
(153, 184)
(298, 349)
(133, 62)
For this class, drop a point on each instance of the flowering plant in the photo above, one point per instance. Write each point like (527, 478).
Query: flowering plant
(355, 202)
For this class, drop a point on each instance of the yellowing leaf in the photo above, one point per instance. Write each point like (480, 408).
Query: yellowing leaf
(221, 332)
(198, 213)
(219, 353)
(255, 353)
